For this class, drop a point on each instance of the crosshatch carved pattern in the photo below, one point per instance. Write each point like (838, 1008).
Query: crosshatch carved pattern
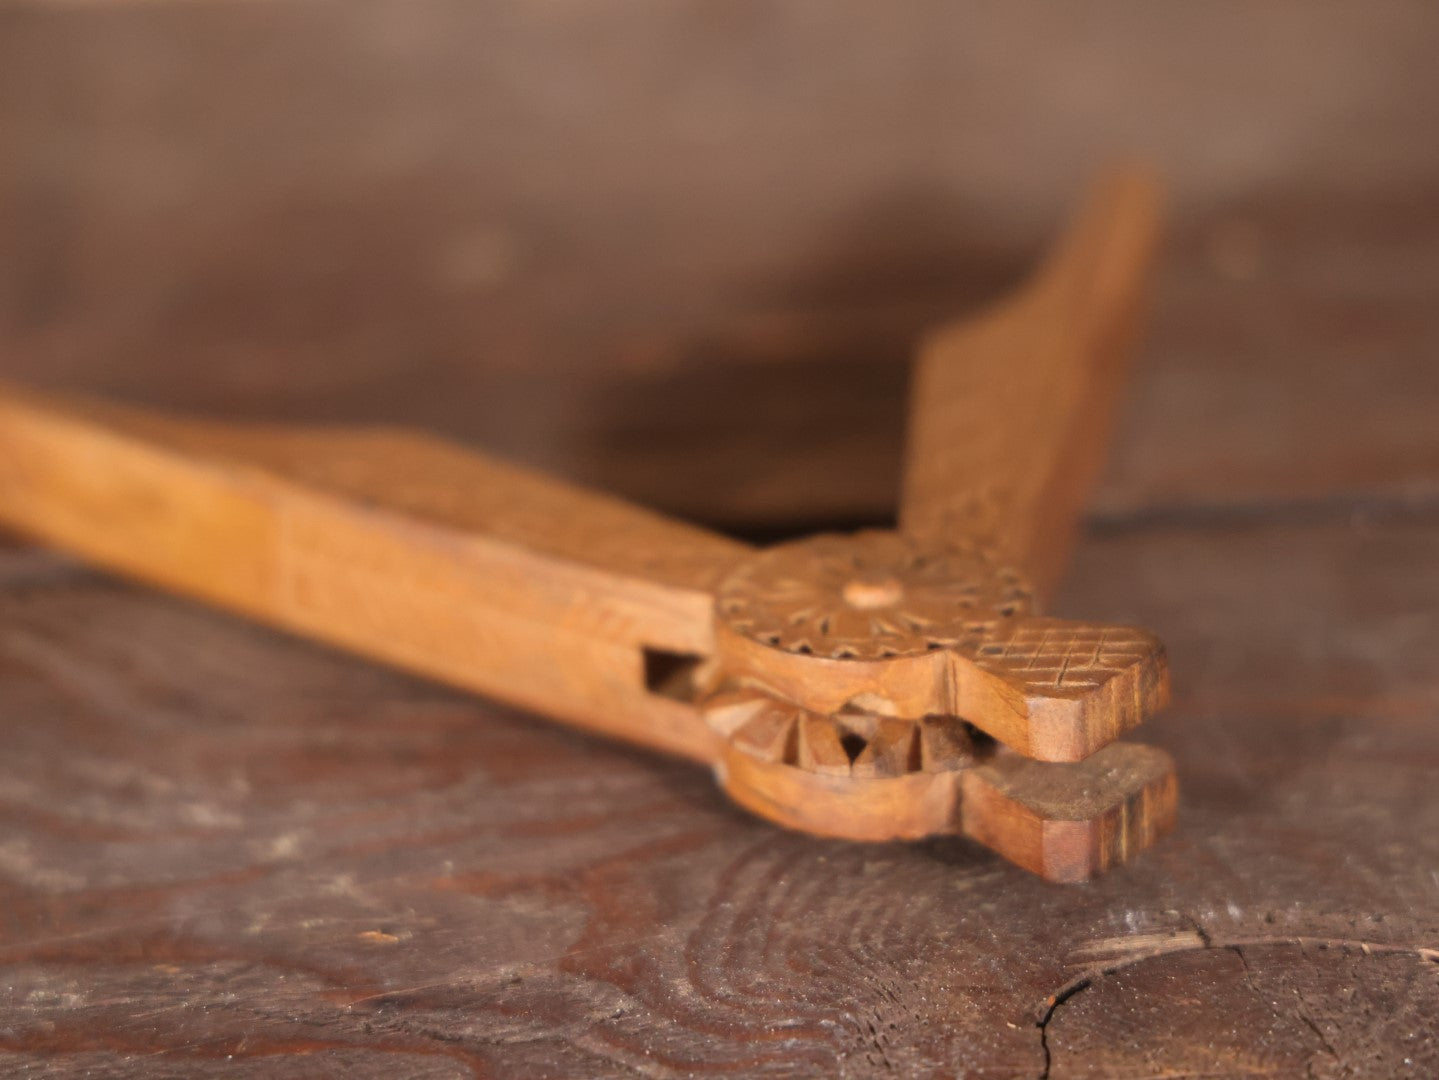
(1056, 657)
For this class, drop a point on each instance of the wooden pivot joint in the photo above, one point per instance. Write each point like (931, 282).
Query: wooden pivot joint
(878, 686)
(873, 687)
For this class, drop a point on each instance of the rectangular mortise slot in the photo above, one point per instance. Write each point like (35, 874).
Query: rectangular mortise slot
(671, 674)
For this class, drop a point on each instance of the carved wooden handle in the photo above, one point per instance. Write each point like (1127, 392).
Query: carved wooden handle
(1010, 412)
(395, 545)
(852, 686)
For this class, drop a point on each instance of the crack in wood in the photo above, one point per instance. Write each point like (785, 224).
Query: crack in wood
(1206, 943)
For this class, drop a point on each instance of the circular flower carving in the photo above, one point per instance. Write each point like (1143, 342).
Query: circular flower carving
(870, 596)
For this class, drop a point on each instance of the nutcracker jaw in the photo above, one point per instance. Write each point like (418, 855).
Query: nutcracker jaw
(873, 688)
(1063, 822)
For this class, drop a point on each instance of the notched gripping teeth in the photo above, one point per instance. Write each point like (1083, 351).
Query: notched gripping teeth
(851, 743)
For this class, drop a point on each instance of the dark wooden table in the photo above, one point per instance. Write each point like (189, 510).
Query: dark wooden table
(225, 852)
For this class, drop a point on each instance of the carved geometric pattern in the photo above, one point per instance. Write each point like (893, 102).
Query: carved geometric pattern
(850, 743)
(879, 596)
(873, 595)
(1059, 658)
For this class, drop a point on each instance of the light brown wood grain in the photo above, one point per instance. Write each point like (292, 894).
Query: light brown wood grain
(398, 546)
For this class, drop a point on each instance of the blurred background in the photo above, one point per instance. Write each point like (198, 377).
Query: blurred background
(682, 250)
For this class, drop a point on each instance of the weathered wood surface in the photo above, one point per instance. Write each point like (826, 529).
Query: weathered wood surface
(222, 845)
(227, 853)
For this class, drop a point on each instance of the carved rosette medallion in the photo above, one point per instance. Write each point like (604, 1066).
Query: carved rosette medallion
(871, 596)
